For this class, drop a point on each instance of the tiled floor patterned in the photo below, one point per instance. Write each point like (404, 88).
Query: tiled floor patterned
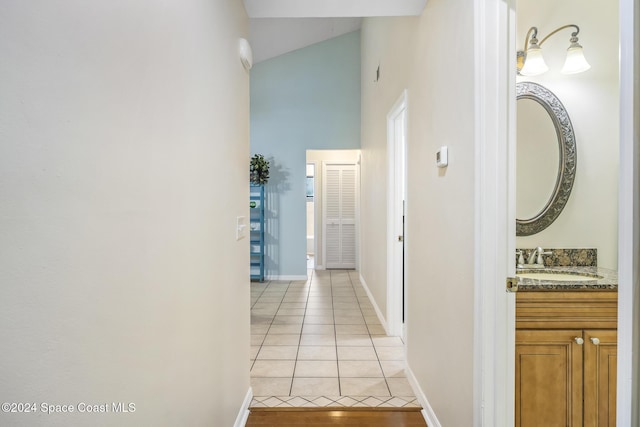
(319, 343)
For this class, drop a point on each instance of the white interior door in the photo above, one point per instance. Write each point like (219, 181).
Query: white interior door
(339, 195)
(396, 203)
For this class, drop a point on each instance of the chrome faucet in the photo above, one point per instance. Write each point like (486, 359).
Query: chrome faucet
(520, 262)
(535, 257)
(532, 255)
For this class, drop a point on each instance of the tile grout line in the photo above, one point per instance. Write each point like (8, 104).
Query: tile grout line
(335, 327)
(270, 324)
(335, 334)
(358, 401)
(261, 293)
(265, 335)
(295, 363)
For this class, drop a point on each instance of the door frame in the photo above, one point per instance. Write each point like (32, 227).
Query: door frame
(628, 388)
(495, 47)
(395, 252)
(494, 207)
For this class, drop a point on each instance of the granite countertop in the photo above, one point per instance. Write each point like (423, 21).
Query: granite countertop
(606, 280)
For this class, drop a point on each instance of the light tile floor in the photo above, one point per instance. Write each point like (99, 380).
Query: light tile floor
(319, 343)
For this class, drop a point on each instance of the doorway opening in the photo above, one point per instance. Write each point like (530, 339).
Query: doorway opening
(310, 191)
(333, 191)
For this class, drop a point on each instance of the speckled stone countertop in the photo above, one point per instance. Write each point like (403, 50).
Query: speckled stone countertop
(582, 257)
(603, 280)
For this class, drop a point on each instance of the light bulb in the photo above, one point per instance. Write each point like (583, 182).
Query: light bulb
(575, 62)
(534, 62)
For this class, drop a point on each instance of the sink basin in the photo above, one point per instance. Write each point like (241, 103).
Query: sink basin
(562, 277)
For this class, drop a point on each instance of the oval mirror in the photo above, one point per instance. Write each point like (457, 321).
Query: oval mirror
(546, 158)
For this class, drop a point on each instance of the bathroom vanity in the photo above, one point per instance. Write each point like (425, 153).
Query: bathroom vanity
(566, 348)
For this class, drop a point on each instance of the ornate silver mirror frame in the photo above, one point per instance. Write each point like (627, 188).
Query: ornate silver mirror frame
(567, 164)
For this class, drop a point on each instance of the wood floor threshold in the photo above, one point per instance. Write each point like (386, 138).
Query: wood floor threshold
(335, 416)
(335, 408)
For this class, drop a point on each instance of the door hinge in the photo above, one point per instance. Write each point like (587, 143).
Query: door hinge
(512, 284)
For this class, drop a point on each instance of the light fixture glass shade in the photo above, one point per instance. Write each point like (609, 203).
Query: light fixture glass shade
(534, 62)
(575, 62)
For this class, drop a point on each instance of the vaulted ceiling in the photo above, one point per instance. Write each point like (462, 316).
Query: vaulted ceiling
(281, 26)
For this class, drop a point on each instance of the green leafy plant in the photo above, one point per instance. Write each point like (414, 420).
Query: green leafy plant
(258, 170)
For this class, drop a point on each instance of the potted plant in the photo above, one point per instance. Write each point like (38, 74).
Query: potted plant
(258, 170)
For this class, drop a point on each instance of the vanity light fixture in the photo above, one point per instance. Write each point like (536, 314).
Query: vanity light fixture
(531, 62)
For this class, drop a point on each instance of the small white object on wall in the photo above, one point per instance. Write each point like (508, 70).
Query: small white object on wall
(241, 227)
(246, 54)
(442, 157)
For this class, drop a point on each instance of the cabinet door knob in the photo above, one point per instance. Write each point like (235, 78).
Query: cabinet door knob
(595, 341)
(579, 340)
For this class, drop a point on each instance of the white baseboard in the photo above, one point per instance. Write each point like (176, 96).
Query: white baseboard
(243, 415)
(286, 278)
(427, 410)
(381, 318)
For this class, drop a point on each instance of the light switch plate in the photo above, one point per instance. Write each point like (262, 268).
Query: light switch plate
(442, 157)
(241, 227)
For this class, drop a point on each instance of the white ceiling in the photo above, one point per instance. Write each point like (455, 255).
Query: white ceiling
(280, 26)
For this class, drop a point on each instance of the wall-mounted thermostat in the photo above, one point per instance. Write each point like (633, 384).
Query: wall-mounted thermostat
(442, 158)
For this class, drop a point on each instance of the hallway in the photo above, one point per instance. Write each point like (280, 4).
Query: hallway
(319, 343)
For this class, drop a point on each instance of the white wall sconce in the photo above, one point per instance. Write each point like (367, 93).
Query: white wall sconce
(531, 61)
(246, 55)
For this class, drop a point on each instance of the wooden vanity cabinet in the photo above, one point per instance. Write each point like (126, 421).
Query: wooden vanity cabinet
(549, 380)
(600, 368)
(566, 359)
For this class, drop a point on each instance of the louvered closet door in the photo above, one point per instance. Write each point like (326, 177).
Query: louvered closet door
(339, 201)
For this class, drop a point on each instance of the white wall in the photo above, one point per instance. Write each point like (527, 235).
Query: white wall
(318, 157)
(426, 56)
(123, 164)
(589, 220)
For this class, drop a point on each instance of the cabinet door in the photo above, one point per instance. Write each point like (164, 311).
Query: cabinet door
(600, 369)
(548, 378)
